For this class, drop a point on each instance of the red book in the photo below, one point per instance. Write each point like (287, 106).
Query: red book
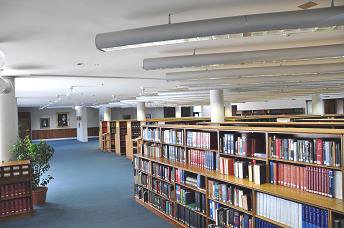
(278, 147)
(276, 173)
(319, 151)
(230, 166)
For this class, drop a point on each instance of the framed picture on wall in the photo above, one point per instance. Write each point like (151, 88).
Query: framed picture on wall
(63, 119)
(44, 123)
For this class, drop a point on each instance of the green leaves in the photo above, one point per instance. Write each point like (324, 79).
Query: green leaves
(39, 154)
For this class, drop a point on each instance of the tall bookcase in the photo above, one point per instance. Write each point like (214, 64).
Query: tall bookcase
(107, 136)
(122, 130)
(133, 132)
(302, 170)
(15, 189)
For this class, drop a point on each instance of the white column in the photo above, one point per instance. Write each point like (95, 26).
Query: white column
(107, 114)
(317, 105)
(178, 111)
(340, 106)
(81, 123)
(141, 111)
(217, 105)
(8, 122)
(228, 110)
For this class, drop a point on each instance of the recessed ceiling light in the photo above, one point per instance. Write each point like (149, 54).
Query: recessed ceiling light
(80, 64)
(308, 5)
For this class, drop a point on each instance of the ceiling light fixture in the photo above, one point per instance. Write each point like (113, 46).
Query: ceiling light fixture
(212, 28)
(272, 55)
(254, 72)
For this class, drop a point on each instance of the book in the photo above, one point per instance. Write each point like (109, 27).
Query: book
(259, 173)
(290, 213)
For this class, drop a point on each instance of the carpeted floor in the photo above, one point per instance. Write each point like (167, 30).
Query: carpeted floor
(90, 189)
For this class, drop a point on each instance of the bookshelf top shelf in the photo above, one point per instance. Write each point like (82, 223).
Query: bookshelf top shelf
(254, 129)
(14, 163)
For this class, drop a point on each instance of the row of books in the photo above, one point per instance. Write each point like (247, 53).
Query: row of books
(152, 134)
(228, 217)
(161, 204)
(203, 159)
(264, 224)
(162, 171)
(163, 188)
(290, 213)
(195, 180)
(15, 206)
(173, 136)
(198, 139)
(243, 145)
(184, 196)
(142, 179)
(317, 151)
(257, 172)
(13, 190)
(338, 223)
(230, 194)
(141, 164)
(316, 180)
(141, 193)
(189, 217)
(151, 150)
(174, 153)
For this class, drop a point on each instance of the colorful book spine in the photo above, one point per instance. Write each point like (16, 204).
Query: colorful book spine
(317, 151)
(203, 159)
(198, 139)
(152, 151)
(174, 153)
(316, 180)
(172, 136)
(151, 134)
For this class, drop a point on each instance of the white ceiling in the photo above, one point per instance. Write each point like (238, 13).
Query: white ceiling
(40, 37)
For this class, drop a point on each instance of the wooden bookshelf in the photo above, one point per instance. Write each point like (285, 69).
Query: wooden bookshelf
(332, 206)
(133, 132)
(15, 189)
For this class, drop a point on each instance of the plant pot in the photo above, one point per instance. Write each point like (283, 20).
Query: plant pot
(39, 195)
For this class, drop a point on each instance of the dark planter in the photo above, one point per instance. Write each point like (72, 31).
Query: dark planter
(39, 195)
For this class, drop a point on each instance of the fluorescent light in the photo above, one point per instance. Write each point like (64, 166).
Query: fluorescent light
(219, 28)
(254, 72)
(302, 53)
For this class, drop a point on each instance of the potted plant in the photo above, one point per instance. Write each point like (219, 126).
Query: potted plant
(39, 156)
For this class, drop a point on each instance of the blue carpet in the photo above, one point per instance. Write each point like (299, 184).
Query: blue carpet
(90, 189)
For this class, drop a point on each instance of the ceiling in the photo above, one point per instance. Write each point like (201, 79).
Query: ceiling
(47, 42)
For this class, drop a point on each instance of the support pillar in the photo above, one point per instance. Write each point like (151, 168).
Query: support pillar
(340, 106)
(107, 114)
(317, 105)
(178, 111)
(217, 106)
(81, 122)
(141, 111)
(228, 110)
(8, 122)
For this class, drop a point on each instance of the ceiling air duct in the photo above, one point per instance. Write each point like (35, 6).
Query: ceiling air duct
(210, 28)
(326, 51)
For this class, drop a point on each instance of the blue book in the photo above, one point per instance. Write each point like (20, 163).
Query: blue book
(224, 192)
(331, 182)
(318, 211)
(325, 218)
(271, 172)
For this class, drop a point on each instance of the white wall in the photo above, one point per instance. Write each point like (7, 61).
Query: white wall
(36, 114)
(117, 113)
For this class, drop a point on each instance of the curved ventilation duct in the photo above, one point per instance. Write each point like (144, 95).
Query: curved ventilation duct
(326, 51)
(5, 86)
(254, 72)
(196, 30)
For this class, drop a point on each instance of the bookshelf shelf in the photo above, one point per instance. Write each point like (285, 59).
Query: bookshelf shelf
(231, 206)
(305, 163)
(272, 221)
(193, 188)
(279, 192)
